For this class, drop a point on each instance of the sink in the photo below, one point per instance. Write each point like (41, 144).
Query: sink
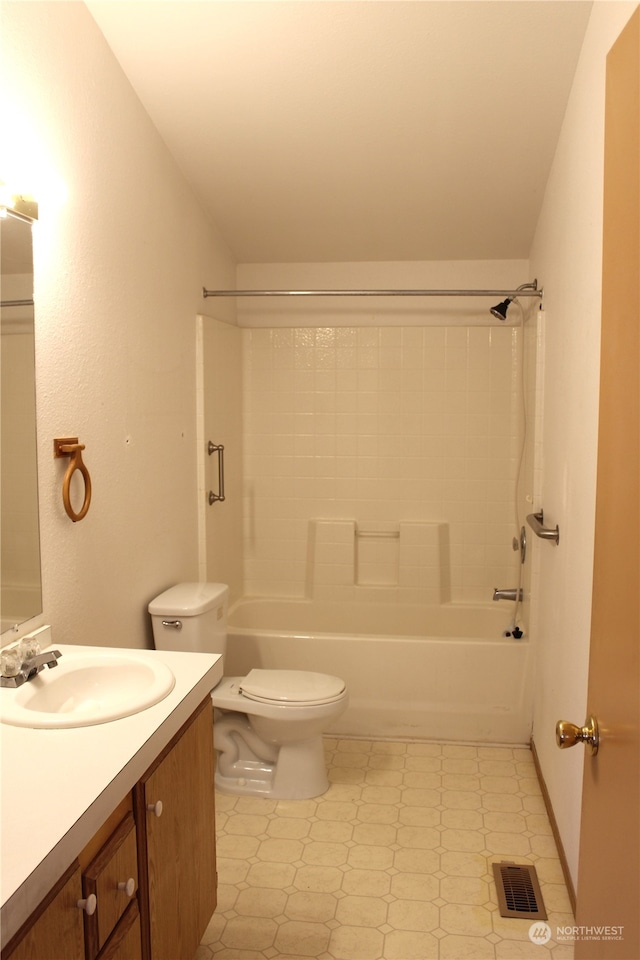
(84, 689)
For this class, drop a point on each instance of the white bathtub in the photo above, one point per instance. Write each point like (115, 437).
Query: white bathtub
(426, 672)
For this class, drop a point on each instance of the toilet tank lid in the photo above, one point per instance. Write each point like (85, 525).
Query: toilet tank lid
(188, 599)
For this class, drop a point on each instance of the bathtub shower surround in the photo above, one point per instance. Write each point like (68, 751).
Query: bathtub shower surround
(380, 427)
(379, 511)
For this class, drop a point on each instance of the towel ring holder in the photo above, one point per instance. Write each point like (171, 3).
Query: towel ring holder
(69, 447)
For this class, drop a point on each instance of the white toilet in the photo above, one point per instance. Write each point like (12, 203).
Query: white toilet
(268, 725)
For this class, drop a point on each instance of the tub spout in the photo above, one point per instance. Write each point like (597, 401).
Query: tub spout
(512, 594)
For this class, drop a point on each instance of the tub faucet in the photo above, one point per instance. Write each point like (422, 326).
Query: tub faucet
(31, 667)
(512, 594)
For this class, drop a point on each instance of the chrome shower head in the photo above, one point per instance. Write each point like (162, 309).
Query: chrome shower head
(500, 309)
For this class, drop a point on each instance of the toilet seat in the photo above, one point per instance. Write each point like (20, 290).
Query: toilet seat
(296, 687)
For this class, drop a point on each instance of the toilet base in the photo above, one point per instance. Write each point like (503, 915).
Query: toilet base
(299, 773)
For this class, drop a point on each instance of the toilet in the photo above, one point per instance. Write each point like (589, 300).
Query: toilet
(268, 726)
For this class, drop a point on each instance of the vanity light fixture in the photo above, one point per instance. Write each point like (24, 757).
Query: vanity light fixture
(19, 205)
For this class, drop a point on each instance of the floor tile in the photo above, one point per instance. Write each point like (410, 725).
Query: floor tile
(392, 863)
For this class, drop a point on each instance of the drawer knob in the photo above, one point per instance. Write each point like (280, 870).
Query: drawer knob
(89, 904)
(128, 886)
(155, 808)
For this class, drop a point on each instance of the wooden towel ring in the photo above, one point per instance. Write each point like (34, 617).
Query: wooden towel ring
(69, 447)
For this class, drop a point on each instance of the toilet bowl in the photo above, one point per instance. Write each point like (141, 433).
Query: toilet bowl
(267, 726)
(269, 731)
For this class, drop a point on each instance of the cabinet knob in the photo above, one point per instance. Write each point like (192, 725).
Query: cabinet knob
(155, 808)
(89, 904)
(128, 886)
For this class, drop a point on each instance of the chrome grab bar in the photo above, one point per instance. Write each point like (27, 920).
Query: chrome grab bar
(219, 449)
(536, 522)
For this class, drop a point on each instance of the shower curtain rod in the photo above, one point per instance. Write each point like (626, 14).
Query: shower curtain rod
(17, 303)
(533, 291)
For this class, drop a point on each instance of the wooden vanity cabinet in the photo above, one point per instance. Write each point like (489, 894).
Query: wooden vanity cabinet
(175, 800)
(151, 867)
(107, 870)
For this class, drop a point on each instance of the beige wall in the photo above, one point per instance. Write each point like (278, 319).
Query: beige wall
(567, 254)
(119, 268)
(221, 422)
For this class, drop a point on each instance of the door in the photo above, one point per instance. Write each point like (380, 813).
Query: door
(608, 877)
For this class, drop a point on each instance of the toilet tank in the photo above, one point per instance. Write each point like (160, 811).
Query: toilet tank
(191, 617)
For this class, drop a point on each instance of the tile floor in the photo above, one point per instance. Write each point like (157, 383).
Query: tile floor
(392, 863)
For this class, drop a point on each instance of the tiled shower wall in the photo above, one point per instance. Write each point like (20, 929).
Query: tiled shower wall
(380, 425)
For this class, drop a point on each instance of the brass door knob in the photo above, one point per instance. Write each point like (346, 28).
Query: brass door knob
(568, 734)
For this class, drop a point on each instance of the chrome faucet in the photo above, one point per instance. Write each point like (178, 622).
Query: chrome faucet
(31, 667)
(512, 594)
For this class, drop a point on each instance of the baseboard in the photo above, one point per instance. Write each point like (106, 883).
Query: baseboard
(554, 828)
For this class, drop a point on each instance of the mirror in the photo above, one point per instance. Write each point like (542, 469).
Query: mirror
(20, 581)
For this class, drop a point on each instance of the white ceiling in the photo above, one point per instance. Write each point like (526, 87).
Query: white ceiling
(329, 130)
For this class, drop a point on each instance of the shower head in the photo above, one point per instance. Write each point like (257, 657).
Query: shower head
(500, 309)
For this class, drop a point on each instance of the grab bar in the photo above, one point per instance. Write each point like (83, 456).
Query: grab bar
(219, 449)
(536, 522)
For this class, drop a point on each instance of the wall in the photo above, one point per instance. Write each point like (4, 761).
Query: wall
(220, 422)
(412, 415)
(567, 253)
(121, 253)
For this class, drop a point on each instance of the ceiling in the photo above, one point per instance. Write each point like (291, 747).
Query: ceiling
(346, 130)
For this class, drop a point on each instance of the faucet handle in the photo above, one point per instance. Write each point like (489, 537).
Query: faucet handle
(29, 648)
(10, 662)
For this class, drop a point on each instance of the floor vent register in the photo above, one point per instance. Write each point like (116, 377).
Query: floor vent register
(518, 891)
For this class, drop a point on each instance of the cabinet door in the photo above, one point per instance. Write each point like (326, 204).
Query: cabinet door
(54, 932)
(180, 842)
(113, 877)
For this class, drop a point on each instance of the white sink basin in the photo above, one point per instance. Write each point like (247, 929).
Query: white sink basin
(84, 689)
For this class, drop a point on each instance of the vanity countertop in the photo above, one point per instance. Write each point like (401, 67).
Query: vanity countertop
(59, 786)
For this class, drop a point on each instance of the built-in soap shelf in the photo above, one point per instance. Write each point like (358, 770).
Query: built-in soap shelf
(377, 554)
(382, 555)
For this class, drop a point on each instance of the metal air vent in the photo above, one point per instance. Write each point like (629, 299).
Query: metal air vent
(518, 891)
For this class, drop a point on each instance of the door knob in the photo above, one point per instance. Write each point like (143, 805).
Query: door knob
(568, 734)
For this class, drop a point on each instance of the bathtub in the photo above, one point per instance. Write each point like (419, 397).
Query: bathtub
(442, 672)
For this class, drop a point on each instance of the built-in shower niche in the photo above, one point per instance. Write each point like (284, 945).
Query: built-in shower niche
(404, 561)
